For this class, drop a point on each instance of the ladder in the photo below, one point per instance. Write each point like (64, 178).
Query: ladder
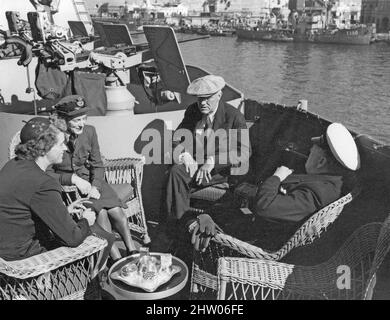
(82, 12)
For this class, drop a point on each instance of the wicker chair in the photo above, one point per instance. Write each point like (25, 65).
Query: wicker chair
(60, 274)
(123, 174)
(359, 257)
(204, 268)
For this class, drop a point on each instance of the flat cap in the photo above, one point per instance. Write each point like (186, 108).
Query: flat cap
(206, 86)
(34, 128)
(71, 106)
(342, 145)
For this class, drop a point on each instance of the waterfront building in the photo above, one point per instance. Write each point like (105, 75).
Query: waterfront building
(246, 7)
(340, 13)
(136, 8)
(347, 12)
(378, 12)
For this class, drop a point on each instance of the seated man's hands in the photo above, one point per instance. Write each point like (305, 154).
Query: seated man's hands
(83, 185)
(204, 171)
(94, 193)
(77, 207)
(203, 231)
(189, 162)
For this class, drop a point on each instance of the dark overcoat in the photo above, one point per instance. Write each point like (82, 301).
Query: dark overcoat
(30, 200)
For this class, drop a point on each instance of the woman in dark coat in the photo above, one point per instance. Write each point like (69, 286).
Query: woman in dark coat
(30, 199)
(83, 167)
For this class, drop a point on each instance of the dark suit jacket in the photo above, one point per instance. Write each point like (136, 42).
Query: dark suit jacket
(29, 200)
(85, 160)
(305, 194)
(227, 149)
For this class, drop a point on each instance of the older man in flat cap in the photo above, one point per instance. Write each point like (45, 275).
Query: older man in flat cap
(202, 162)
(285, 200)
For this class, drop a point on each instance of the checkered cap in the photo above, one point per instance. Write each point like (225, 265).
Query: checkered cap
(206, 86)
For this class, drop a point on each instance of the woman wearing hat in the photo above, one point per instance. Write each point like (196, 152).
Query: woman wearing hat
(83, 166)
(30, 199)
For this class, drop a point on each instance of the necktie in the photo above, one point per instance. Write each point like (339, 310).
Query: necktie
(204, 123)
(209, 124)
(205, 128)
(71, 143)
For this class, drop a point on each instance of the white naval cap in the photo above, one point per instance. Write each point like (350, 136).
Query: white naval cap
(342, 145)
(206, 86)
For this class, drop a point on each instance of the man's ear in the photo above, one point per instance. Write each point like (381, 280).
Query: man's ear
(322, 162)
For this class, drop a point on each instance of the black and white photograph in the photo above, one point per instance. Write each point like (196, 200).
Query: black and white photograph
(244, 146)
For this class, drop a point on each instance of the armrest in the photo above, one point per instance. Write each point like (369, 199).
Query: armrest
(240, 246)
(266, 278)
(51, 260)
(261, 272)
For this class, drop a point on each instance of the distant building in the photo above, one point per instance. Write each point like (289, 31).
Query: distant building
(135, 8)
(249, 7)
(347, 11)
(378, 12)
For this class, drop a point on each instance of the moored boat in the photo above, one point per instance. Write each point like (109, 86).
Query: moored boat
(282, 35)
(355, 36)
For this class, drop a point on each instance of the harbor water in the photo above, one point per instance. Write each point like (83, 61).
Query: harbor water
(342, 83)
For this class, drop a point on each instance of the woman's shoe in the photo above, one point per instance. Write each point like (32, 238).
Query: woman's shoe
(132, 252)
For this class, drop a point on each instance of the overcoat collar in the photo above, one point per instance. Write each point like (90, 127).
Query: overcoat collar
(219, 118)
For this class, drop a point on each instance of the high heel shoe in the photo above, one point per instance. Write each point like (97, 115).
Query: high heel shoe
(132, 252)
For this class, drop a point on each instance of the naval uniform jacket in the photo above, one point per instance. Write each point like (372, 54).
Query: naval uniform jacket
(29, 200)
(226, 117)
(278, 212)
(83, 158)
(297, 197)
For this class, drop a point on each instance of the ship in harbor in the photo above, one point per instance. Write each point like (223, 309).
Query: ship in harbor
(360, 35)
(279, 35)
(142, 89)
(314, 21)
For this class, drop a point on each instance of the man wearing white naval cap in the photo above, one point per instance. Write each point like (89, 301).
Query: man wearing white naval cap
(285, 200)
(195, 168)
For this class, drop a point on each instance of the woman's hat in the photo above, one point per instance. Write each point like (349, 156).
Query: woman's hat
(71, 107)
(206, 86)
(342, 145)
(34, 128)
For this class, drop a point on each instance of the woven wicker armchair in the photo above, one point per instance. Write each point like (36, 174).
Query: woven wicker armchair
(359, 257)
(204, 268)
(60, 274)
(127, 172)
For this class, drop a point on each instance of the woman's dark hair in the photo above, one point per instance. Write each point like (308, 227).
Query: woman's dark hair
(38, 147)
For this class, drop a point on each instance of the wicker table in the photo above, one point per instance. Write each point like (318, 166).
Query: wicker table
(123, 291)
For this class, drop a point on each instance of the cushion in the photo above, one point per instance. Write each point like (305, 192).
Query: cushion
(212, 193)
